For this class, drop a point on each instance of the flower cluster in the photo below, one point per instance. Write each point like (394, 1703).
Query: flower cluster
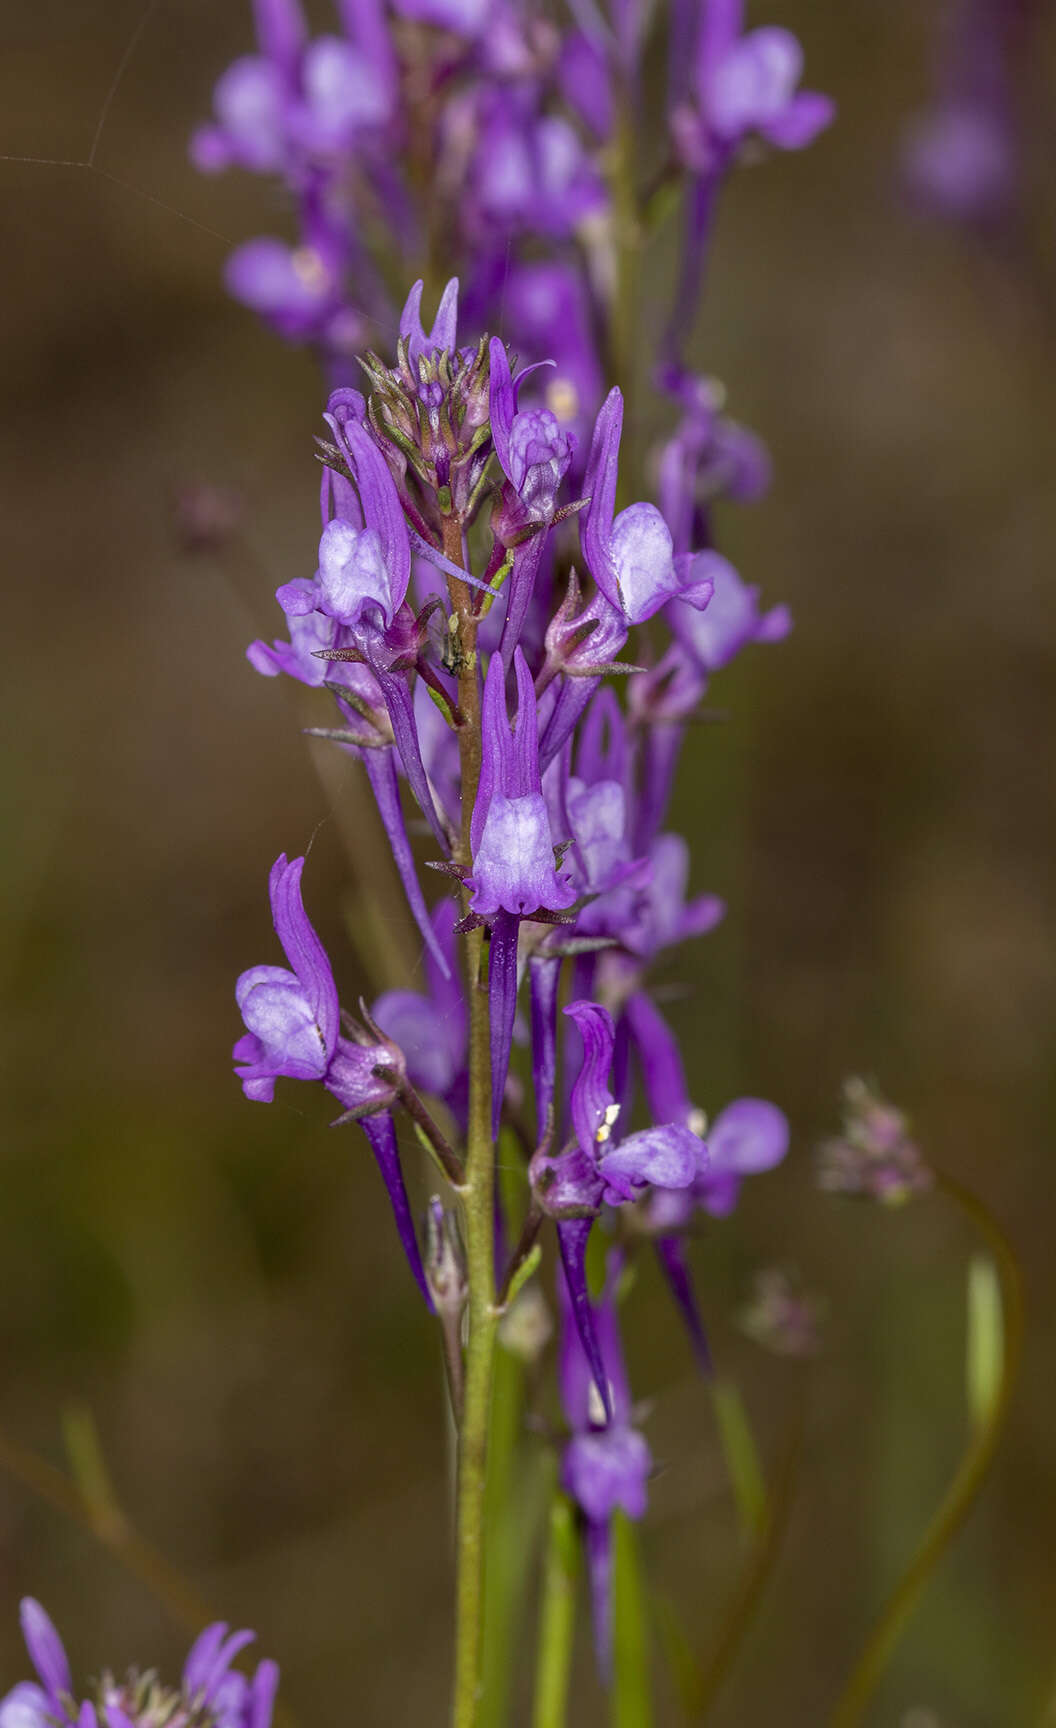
(489, 123)
(212, 1694)
(482, 590)
(559, 852)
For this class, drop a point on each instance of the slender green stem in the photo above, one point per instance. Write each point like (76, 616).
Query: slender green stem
(476, 1191)
(557, 1617)
(966, 1484)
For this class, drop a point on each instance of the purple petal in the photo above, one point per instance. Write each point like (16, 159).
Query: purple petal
(380, 503)
(666, 1157)
(27, 1706)
(381, 772)
(572, 1236)
(494, 771)
(643, 558)
(262, 1695)
(520, 587)
(302, 946)
(280, 32)
(502, 1001)
(591, 1097)
(749, 1136)
(573, 697)
(544, 973)
(606, 1470)
(660, 1059)
(800, 121)
(45, 1650)
(524, 761)
(443, 334)
(502, 404)
(671, 1253)
(213, 1673)
(599, 485)
(201, 1656)
(382, 1136)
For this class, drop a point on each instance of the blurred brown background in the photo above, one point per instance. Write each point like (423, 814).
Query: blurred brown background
(218, 1282)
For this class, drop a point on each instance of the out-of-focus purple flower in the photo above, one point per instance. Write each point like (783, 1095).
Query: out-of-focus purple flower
(630, 556)
(875, 1158)
(530, 171)
(708, 457)
(212, 1694)
(585, 81)
(730, 621)
(467, 17)
(745, 85)
(548, 311)
(430, 1029)
(293, 1023)
(607, 1463)
(960, 160)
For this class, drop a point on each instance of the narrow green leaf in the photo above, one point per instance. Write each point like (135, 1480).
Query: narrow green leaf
(742, 1457)
(986, 1339)
(632, 1705)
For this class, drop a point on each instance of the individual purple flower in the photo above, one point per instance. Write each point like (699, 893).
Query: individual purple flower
(708, 457)
(960, 161)
(630, 556)
(514, 871)
(731, 620)
(513, 848)
(293, 1022)
(364, 566)
(597, 1167)
(212, 1693)
(606, 1463)
(746, 85)
(531, 448)
(530, 169)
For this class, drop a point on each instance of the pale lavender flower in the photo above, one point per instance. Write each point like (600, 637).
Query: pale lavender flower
(293, 1023)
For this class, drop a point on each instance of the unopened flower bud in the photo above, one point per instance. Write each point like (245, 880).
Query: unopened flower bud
(445, 1265)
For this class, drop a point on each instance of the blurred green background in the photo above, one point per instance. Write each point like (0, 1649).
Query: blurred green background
(218, 1283)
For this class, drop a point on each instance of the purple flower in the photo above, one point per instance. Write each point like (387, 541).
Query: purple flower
(212, 1693)
(747, 1138)
(607, 1463)
(364, 568)
(532, 451)
(960, 159)
(430, 1029)
(630, 556)
(293, 1022)
(548, 311)
(875, 1158)
(513, 848)
(732, 618)
(745, 85)
(597, 1167)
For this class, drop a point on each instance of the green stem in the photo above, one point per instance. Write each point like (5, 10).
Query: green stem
(557, 1617)
(477, 1194)
(965, 1487)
